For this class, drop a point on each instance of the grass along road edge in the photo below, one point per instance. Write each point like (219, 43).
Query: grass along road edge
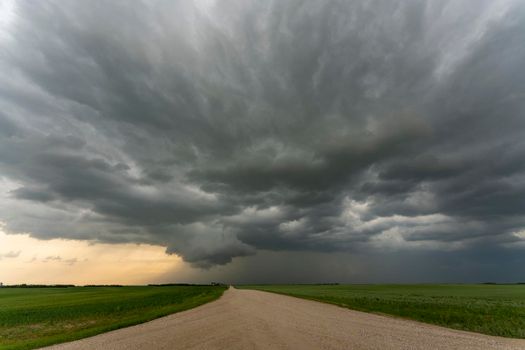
(497, 310)
(37, 317)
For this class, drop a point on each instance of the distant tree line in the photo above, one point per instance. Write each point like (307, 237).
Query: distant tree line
(186, 284)
(24, 285)
(38, 286)
(103, 285)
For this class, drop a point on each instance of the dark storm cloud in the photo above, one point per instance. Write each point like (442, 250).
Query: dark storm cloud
(220, 128)
(485, 264)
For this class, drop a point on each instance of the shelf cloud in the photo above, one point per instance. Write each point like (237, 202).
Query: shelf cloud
(219, 129)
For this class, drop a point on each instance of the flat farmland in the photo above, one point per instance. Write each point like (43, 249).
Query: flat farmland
(34, 317)
(490, 309)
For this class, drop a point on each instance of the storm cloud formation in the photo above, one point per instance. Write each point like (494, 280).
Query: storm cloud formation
(221, 128)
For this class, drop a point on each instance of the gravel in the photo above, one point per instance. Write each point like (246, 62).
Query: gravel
(249, 319)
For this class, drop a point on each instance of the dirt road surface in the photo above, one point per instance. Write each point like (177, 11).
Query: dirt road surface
(248, 319)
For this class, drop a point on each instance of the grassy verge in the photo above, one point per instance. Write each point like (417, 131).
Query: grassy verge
(489, 309)
(35, 317)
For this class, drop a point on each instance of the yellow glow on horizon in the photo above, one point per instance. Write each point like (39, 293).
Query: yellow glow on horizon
(24, 259)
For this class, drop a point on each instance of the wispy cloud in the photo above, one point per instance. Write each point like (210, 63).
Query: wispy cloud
(10, 254)
(52, 258)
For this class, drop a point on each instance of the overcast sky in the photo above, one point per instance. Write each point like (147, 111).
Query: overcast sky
(260, 141)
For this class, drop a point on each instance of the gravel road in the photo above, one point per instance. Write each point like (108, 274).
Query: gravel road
(248, 319)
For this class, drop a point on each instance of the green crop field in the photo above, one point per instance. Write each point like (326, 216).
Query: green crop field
(490, 309)
(34, 317)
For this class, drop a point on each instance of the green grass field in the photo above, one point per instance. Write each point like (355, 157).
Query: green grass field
(34, 317)
(490, 309)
